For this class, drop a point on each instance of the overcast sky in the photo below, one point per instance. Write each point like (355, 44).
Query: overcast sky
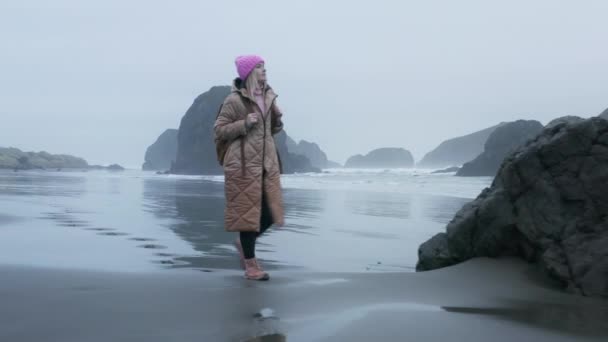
(101, 80)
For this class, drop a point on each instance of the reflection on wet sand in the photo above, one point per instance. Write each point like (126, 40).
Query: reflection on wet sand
(388, 205)
(196, 209)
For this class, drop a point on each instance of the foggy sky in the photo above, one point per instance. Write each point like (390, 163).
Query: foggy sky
(101, 80)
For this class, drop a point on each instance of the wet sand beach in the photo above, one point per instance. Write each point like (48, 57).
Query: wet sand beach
(135, 256)
(481, 300)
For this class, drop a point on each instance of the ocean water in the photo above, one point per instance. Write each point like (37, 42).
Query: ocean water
(132, 221)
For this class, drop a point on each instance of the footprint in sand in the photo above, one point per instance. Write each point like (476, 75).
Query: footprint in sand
(112, 233)
(69, 223)
(64, 220)
(101, 229)
(165, 262)
(152, 246)
(166, 255)
(141, 239)
(169, 262)
(55, 216)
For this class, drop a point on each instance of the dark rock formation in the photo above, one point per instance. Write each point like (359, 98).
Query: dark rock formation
(291, 162)
(292, 145)
(196, 148)
(161, 155)
(548, 204)
(382, 158)
(564, 119)
(500, 143)
(457, 151)
(115, 167)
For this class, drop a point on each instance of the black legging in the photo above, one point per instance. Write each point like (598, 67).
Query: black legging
(248, 238)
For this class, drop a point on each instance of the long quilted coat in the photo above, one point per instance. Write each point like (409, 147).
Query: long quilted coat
(250, 152)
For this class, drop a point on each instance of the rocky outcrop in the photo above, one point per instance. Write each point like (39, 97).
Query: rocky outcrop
(291, 162)
(564, 119)
(312, 151)
(389, 157)
(14, 158)
(115, 167)
(604, 114)
(162, 153)
(500, 143)
(548, 204)
(196, 148)
(456, 151)
(291, 144)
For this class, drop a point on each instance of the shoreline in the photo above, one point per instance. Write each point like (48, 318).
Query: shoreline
(479, 300)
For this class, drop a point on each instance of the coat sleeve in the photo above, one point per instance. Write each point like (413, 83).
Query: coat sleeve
(228, 125)
(277, 121)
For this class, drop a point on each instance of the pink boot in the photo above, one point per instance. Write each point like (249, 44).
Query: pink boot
(239, 248)
(253, 271)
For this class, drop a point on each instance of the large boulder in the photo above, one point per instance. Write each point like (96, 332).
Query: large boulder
(564, 119)
(195, 146)
(456, 151)
(548, 204)
(161, 155)
(500, 143)
(388, 157)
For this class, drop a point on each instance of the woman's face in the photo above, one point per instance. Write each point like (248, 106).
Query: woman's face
(260, 72)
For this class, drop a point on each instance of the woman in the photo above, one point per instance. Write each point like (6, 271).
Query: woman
(248, 119)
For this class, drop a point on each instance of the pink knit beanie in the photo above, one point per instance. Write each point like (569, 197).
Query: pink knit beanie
(245, 64)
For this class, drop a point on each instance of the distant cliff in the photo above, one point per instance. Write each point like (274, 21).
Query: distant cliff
(162, 153)
(310, 150)
(457, 151)
(292, 162)
(388, 157)
(500, 143)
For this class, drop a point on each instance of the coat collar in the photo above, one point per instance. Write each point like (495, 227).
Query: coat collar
(238, 86)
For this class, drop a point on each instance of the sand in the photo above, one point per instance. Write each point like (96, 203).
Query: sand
(480, 300)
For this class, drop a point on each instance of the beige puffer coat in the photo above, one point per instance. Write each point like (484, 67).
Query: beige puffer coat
(250, 152)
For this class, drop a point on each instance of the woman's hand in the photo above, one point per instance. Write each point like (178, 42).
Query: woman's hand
(251, 120)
